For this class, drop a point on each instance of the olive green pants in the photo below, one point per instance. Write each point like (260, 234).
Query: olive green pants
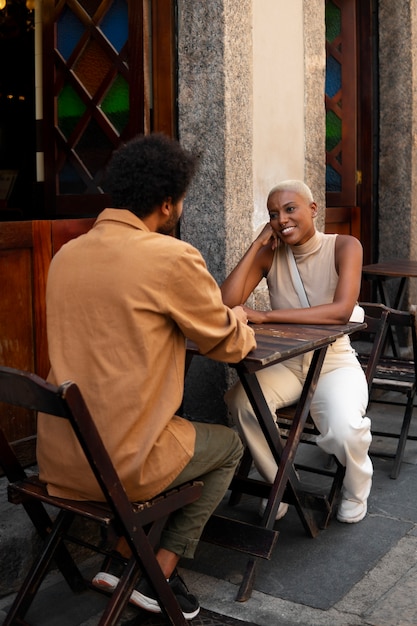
(218, 450)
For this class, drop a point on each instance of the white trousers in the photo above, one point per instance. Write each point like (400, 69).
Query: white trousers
(338, 410)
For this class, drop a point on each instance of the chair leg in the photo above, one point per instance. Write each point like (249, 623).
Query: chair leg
(334, 493)
(62, 557)
(399, 454)
(38, 570)
(120, 596)
(246, 586)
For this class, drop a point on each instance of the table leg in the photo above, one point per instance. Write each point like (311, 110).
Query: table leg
(283, 454)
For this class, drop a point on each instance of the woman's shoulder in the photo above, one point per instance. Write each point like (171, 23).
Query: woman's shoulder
(349, 241)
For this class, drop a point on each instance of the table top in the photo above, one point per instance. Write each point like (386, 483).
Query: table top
(278, 342)
(393, 268)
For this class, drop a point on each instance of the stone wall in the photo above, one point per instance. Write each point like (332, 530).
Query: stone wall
(397, 127)
(216, 119)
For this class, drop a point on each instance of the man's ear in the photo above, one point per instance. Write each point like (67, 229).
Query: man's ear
(313, 207)
(166, 207)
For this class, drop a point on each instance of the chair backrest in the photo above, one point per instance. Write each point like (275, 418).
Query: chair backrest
(377, 318)
(28, 390)
(407, 320)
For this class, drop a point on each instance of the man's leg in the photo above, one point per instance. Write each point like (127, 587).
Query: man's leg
(217, 452)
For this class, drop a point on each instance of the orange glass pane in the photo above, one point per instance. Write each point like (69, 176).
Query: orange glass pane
(92, 66)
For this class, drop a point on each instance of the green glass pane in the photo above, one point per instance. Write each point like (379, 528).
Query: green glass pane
(333, 21)
(70, 109)
(116, 103)
(333, 130)
(94, 148)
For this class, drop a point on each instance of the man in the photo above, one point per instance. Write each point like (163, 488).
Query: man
(121, 300)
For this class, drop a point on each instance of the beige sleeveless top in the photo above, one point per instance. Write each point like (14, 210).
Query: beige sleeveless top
(316, 264)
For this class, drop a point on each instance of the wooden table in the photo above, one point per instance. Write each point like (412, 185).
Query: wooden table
(402, 269)
(276, 343)
(388, 270)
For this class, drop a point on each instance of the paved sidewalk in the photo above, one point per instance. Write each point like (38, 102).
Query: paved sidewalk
(350, 575)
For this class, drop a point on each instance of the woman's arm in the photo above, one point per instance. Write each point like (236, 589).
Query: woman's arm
(348, 260)
(250, 270)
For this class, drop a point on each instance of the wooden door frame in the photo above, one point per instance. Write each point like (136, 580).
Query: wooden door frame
(368, 114)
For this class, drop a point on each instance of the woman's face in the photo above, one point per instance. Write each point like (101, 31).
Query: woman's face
(291, 217)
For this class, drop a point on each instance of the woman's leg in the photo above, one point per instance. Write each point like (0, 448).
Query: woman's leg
(338, 409)
(281, 387)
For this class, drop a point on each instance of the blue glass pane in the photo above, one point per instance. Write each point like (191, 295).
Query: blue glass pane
(333, 179)
(115, 24)
(333, 76)
(69, 181)
(69, 31)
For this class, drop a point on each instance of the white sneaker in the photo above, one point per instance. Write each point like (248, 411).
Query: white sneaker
(144, 598)
(109, 582)
(351, 511)
(282, 509)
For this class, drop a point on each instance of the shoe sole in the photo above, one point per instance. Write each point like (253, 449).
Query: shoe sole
(109, 582)
(282, 511)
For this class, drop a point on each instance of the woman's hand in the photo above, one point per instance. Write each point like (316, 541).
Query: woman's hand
(256, 317)
(267, 236)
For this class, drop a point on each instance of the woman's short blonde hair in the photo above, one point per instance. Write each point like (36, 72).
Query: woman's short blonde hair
(297, 186)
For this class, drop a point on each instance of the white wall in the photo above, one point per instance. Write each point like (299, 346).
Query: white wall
(278, 97)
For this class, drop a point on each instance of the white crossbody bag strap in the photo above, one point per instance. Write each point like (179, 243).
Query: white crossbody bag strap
(296, 279)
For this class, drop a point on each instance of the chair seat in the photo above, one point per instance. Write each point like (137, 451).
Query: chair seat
(32, 488)
(391, 373)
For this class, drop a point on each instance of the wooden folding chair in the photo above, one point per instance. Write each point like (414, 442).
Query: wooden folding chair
(376, 318)
(396, 374)
(139, 523)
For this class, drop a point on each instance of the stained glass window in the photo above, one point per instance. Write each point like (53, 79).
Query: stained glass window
(333, 98)
(93, 81)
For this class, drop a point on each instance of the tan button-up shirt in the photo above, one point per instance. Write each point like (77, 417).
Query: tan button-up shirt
(120, 302)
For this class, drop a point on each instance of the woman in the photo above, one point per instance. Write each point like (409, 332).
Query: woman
(330, 270)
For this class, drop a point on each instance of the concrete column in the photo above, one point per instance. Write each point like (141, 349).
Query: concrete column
(251, 104)
(398, 108)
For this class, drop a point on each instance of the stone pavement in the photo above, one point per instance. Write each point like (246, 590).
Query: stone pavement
(350, 575)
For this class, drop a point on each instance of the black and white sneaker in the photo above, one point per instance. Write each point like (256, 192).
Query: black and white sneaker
(144, 598)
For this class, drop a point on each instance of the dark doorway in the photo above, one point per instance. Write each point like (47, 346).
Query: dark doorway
(17, 111)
